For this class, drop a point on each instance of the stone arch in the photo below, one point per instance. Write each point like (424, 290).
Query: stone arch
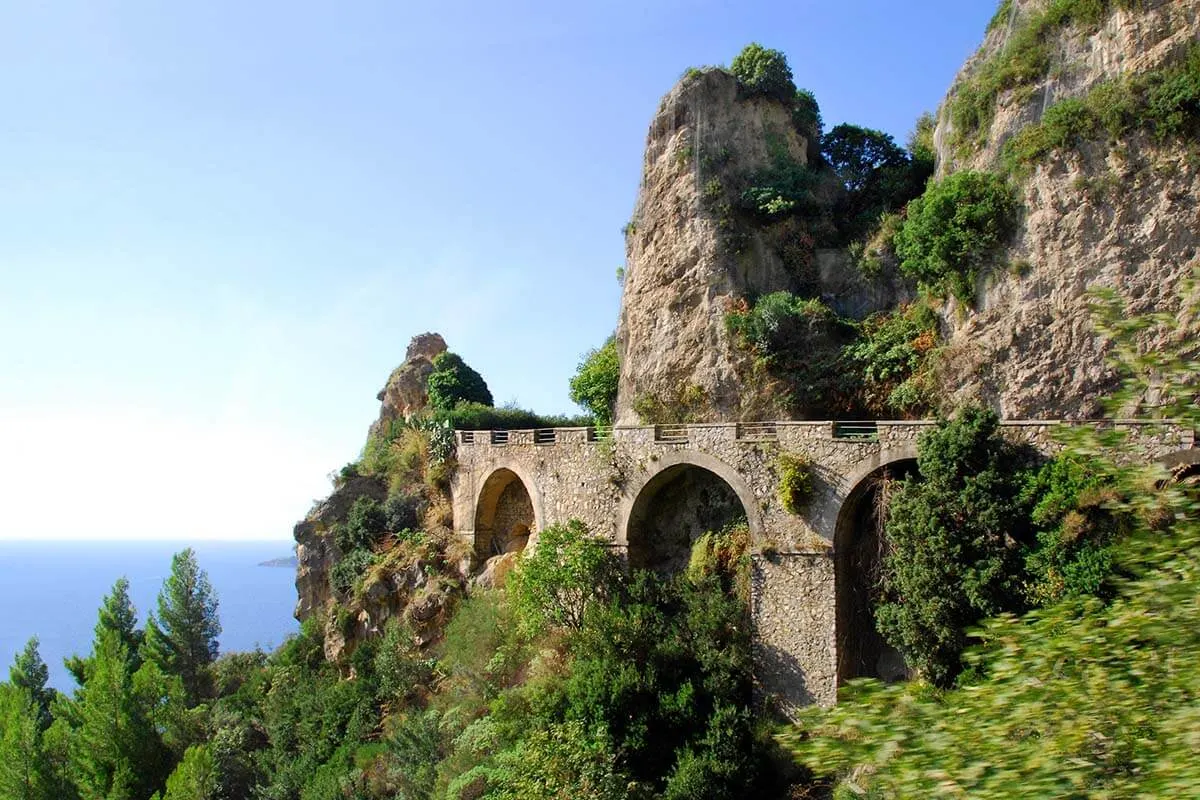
(712, 494)
(857, 555)
(507, 512)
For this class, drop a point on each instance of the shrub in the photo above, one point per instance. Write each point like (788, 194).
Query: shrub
(723, 556)
(806, 114)
(594, 386)
(1024, 60)
(784, 188)
(795, 481)
(346, 572)
(567, 571)
(477, 417)
(688, 403)
(1064, 125)
(1173, 97)
(800, 341)
(952, 230)
(1076, 532)
(398, 668)
(765, 72)
(403, 510)
(890, 353)
(453, 382)
(920, 144)
(363, 527)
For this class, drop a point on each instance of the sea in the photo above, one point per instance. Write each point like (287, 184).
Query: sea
(53, 590)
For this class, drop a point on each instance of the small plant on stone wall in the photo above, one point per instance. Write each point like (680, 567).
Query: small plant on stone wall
(795, 481)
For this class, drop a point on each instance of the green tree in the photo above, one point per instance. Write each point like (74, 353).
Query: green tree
(24, 772)
(117, 614)
(195, 778)
(953, 229)
(920, 144)
(29, 673)
(182, 639)
(953, 539)
(453, 382)
(858, 155)
(764, 71)
(594, 386)
(555, 583)
(114, 748)
(563, 760)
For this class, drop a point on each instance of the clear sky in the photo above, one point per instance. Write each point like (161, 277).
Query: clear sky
(222, 222)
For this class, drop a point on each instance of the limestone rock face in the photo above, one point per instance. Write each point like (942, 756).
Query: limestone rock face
(1124, 215)
(682, 275)
(316, 550)
(405, 392)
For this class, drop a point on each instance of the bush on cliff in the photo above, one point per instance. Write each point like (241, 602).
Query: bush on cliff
(453, 382)
(764, 71)
(953, 229)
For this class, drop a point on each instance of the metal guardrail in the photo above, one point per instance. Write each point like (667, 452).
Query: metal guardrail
(756, 432)
(842, 430)
(600, 433)
(672, 434)
(859, 431)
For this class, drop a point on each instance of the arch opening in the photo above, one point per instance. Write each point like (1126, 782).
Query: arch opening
(674, 509)
(504, 516)
(859, 549)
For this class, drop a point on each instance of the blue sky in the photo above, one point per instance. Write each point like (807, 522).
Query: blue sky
(221, 223)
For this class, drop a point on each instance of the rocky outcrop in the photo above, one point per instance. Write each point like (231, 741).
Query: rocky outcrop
(405, 392)
(1124, 215)
(316, 550)
(683, 272)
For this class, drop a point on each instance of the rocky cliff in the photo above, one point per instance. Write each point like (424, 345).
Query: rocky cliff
(1109, 197)
(385, 526)
(684, 265)
(1118, 212)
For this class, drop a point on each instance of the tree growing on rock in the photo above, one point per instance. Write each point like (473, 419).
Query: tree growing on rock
(453, 382)
(764, 71)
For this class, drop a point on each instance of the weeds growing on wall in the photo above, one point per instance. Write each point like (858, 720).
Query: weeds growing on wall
(795, 489)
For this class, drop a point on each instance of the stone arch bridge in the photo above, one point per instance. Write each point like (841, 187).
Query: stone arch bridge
(651, 490)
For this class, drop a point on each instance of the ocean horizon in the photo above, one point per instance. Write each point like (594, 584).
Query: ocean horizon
(53, 590)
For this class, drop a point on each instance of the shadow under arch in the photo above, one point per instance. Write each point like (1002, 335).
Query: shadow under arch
(507, 511)
(858, 550)
(688, 494)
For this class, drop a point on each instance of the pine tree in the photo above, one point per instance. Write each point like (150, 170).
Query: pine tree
(182, 638)
(23, 769)
(114, 747)
(118, 615)
(30, 673)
